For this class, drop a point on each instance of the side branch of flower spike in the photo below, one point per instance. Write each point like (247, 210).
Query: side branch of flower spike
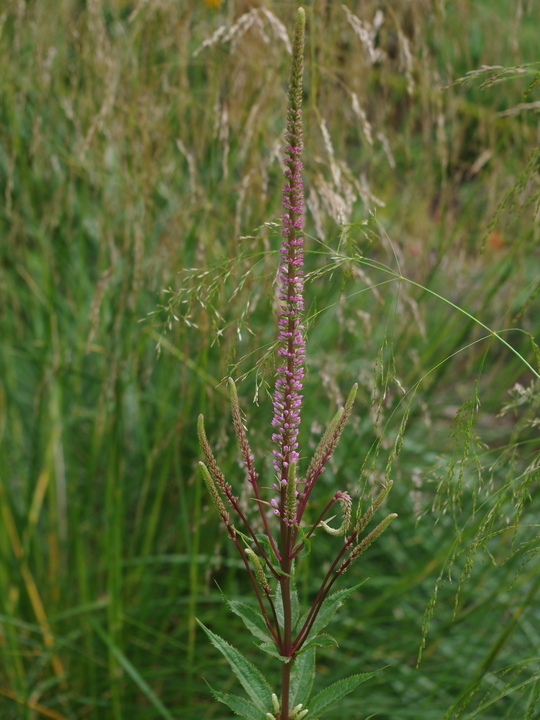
(248, 458)
(226, 491)
(350, 551)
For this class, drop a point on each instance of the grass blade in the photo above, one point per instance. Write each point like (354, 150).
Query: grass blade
(132, 672)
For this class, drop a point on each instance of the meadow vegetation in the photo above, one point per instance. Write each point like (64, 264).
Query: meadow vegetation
(141, 172)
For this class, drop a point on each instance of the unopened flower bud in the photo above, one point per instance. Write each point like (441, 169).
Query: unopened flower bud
(259, 572)
(214, 494)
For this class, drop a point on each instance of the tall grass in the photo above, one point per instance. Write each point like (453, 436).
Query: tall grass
(131, 151)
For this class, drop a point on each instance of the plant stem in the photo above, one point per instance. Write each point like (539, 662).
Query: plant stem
(286, 650)
(285, 687)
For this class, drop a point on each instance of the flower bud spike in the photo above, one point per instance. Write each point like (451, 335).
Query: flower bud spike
(275, 703)
(362, 521)
(324, 442)
(330, 439)
(211, 464)
(241, 434)
(366, 542)
(351, 398)
(291, 502)
(259, 572)
(214, 494)
(203, 440)
(207, 450)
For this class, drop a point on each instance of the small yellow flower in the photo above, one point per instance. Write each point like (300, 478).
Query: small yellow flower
(213, 3)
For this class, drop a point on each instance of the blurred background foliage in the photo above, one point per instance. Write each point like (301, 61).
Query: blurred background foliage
(140, 186)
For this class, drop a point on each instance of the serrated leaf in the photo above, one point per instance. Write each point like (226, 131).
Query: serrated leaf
(328, 609)
(252, 679)
(323, 640)
(252, 619)
(239, 705)
(270, 648)
(332, 694)
(302, 675)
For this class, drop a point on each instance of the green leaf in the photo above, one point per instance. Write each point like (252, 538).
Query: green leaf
(239, 705)
(252, 680)
(252, 618)
(270, 648)
(323, 640)
(332, 694)
(302, 675)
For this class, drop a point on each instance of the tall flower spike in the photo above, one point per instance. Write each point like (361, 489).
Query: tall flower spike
(290, 374)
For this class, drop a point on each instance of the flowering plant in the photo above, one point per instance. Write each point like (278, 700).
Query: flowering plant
(269, 557)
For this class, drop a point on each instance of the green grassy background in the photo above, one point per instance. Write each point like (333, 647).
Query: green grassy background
(131, 153)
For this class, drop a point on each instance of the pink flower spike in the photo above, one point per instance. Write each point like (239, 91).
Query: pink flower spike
(289, 376)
